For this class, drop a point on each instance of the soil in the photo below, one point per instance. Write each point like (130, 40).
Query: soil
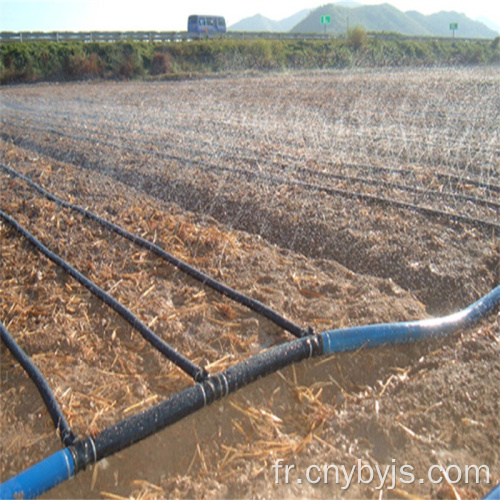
(337, 198)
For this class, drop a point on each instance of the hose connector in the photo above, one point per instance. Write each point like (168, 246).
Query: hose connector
(84, 453)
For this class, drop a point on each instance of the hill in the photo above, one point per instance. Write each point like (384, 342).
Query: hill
(383, 17)
(260, 23)
(387, 18)
(439, 24)
(257, 23)
(489, 23)
(348, 3)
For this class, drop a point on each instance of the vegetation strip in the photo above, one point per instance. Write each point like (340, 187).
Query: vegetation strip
(34, 61)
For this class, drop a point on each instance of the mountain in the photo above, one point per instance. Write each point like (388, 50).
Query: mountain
(292, 21)
(260, 23)
(257, 23)
(439, 25)
(385, 17)
(489, 23)
(348, 3)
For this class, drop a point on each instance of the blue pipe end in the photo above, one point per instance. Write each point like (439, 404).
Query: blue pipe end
(494, 494)
(40, 478)
(350, 339)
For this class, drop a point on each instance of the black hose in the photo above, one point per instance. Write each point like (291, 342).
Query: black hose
(192, 369)
(221, 288)
(144, 424)
(307, 186)
(356, 195)
(372, 168)
(68, 437)
(66, 463)
(165, 413)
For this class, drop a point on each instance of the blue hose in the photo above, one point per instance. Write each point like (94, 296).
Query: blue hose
(40, 478)
(494, 494)
(50, 472)
(350, 339)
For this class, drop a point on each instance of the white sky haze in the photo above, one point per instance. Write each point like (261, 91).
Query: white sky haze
(167, 15)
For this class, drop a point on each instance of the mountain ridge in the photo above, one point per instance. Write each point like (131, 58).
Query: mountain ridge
(260, 23)
(373, 18)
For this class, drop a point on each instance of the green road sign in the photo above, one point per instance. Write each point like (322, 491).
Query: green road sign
(453, 26)
(326, 19)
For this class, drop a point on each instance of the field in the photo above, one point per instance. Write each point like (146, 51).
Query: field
(338, 198)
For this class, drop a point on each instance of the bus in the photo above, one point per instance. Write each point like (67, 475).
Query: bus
(206, 26)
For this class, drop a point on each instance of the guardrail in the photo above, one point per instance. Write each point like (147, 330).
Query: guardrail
(143, 36)
(65, 36)
(182, 36)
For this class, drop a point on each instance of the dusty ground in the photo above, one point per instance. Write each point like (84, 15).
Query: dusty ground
(257, 182)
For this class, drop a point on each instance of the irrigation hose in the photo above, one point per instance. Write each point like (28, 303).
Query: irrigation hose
(445, 176)
(192, 399)
(68, 437)
(494, 494)
(349, 339)
(192, 369)
(315, 187)
(203, 278)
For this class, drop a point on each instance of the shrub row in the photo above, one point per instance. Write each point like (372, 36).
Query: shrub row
(34, 61)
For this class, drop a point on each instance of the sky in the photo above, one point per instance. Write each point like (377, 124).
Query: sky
(168, 15)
